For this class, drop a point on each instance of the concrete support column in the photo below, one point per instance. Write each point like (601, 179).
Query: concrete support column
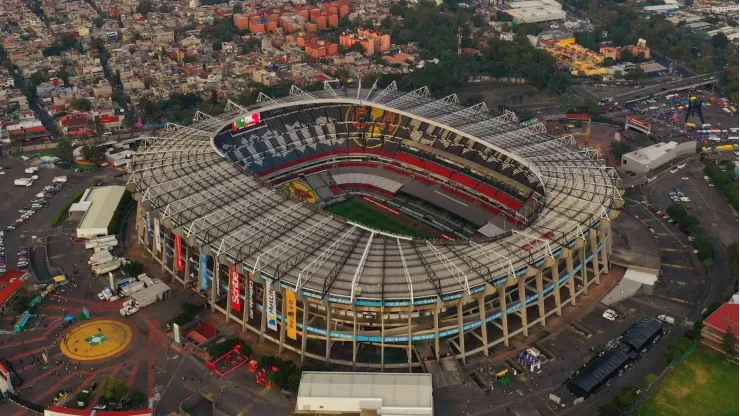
(555, 276)
(436, 332)
(541, 298)
(186, 277)
(214, 283)
(382, 338)
(595, 259)
(461, 336)
(304, 336)
(571, 279)
(228, 298)
(328, 330)
(354, 336)
(408, 334)
(164, 250)
(174, 260)
(246, 306)
(523, 307)
(584, 272)
(504, 315)
(604, 249)
(283, 322)
(483, 328)
(140, 226)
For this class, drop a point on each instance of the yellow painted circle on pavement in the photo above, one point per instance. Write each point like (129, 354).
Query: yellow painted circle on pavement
(96, 340)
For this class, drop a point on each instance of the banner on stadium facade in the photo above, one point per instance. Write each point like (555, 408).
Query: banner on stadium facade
(148, 228)
(291, 311)
(204, 271)
(178, 253)
(236, 299)
(157, 239)
(250, 295)
(271, 307)
(176, 331)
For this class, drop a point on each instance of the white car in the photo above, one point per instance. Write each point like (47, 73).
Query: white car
(610, 315)
(685, 178)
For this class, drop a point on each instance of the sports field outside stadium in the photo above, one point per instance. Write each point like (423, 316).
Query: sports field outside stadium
(355, 209)
(704, 384)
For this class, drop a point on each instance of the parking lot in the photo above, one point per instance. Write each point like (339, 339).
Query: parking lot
(14, 198)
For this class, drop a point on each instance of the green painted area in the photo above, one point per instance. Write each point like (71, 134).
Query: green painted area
(704, 384)
(375, 217)
(96, 339)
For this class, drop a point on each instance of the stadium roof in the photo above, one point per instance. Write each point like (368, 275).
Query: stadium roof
(213, 202)
(335, 391)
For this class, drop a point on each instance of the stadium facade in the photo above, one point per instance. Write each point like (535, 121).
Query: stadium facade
(232, 205)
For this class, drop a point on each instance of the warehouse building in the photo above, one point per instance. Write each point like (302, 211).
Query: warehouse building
(648, 158)
(535, 11)
(365, 393)
(95, 210)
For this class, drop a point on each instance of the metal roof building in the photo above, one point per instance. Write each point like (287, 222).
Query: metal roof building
(642, 332)
(599, 371)
(210, 199)
(367, 393)
(98, 205)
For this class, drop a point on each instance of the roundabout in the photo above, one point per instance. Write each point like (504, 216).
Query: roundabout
(97, 339)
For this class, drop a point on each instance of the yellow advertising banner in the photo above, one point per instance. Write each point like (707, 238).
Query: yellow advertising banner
(292, 312)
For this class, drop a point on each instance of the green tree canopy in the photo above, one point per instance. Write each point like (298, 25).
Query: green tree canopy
(113, 388)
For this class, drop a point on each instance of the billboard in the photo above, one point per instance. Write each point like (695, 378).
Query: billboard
(247, 121)
(157, 239)
(204, 271)
(271, 307)
(179, 261)
(638, 123)
(176, 331)
(148, 220)
(250, 295)
(236, 299)
(291, 314)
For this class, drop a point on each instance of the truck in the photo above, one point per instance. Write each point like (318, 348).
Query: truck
(108, 241)
(106, 267)
(23, 182)
(60, 179)
(106, 294)
(100, 258)
(130, 307)
(134, 288)
(667, 319)
(31, 170)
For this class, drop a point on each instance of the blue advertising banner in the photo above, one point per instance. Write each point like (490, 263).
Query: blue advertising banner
(204, 271)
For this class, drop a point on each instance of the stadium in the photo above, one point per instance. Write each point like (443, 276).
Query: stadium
(376, 228)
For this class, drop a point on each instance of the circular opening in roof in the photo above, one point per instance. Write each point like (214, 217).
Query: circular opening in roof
(385, 170)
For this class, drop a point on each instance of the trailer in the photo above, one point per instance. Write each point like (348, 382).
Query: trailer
(31, 170)
(23, 182)
(100, 258)
(60, 179)
(106, 267)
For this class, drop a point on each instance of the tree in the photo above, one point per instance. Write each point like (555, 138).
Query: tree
(81, 104)
(593, 109)
(99, 21)
(132, 268)
(607, 62)
(677, 349)
(37, 78)
(238, 8)
(478, 20)
(64, 76)
(720, 41)
(620, 148)
(357, 47)
(65, 151)
(92, 152)
(625, 397)
(219, 349)
(626, 55)
(649, 380)
(708, 262)
(728, 342)
(610, 410)
(144, 7)
(138, 398)
(643, 140)
(113, 388)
